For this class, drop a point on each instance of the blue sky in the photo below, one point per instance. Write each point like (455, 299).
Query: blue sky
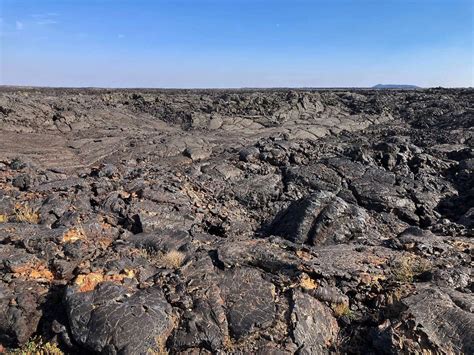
(236, 43)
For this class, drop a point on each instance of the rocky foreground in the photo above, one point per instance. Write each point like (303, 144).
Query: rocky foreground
(270, 222)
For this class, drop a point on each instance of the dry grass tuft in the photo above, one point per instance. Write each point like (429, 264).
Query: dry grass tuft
(173, 259)
(170, 260)
(341, 310)
(3, 218)
(408, 267)
(25, 214)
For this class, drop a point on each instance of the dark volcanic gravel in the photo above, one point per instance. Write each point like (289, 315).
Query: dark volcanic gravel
(269, 222)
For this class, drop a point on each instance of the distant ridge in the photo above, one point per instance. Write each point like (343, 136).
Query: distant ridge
(395, 86)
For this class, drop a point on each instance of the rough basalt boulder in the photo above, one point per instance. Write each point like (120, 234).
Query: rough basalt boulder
(112, 319)
(315, 329)
(445, 316)
(321, 218)
(249, 299)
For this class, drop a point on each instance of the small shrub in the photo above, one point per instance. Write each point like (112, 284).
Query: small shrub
(173, 259)
(408, 267)
(36, 346)
(25, 214)
(341, 310)
(170, 260)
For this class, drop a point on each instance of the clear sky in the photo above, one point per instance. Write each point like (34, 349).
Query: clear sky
(236, 43)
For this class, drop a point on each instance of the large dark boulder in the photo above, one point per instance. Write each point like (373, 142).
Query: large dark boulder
(321, 218)
(111, 319)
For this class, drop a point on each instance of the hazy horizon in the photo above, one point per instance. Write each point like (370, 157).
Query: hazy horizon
(236, 44)
(219, 88)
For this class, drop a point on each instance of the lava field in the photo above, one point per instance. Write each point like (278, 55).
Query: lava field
(236, 221)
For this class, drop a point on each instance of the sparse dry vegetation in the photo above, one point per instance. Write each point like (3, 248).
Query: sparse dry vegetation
(407, 268)
(341, 310)
(3, 218)
(37, 346)
(25, 214)
(172, 259)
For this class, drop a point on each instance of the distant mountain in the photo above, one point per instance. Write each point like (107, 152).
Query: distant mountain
(395, 86)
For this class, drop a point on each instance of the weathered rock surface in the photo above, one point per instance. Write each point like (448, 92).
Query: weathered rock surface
(111, 320)
(244, 221)
(445, 316)
(315, 328)
(321, 218)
